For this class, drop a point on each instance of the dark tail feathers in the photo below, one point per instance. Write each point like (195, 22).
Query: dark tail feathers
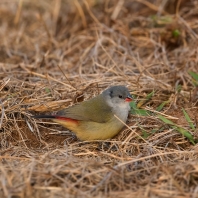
(44, 116)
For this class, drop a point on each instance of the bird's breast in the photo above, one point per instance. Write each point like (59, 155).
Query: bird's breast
(122, 111)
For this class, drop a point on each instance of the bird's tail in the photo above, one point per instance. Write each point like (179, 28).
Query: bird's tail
(57, 118)
(44, 116)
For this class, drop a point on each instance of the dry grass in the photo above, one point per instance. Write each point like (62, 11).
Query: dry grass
(55, 53)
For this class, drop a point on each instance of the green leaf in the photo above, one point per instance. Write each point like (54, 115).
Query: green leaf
(136, 111)
(165, 120)
(133, 105)
(154, 130)
(148, 97)
(176, 33)
(161, 106)
(178, 88)
(141, 112)
(144, 134)
(47, 90)
(190, 122)
(161, 129)
(162, 20)
(194, 75)
(166, 19)
(184, 132)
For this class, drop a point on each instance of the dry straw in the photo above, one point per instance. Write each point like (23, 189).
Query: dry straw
(55, 53)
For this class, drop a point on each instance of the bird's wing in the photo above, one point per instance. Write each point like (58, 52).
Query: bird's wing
(95, 110)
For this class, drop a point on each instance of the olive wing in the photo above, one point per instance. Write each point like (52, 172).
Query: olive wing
(96, 110)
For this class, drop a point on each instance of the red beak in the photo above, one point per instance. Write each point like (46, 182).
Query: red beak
(128, 99)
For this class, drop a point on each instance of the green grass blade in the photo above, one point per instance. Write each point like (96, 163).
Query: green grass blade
(186, 134)
(165, 120)
(176, 33)
(190, 122)
(148, 97)
(179, 129)
(145, 134)
(194, 75)
(133, 105)
(47, 90)
(140, 112)
(136, 111)
(161, 106)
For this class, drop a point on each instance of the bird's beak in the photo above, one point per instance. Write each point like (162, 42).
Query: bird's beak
(129, 98)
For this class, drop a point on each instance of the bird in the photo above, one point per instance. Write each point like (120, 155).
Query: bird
(99, 118)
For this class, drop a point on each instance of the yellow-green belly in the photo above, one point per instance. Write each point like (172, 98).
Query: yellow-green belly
(86, 130)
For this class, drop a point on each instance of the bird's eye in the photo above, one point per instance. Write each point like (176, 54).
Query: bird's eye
(120, 96)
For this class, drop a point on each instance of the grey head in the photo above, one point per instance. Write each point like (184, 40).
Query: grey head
(118, 94)
(118, 98)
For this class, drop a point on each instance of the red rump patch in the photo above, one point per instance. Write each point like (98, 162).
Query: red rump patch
(66, 119)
